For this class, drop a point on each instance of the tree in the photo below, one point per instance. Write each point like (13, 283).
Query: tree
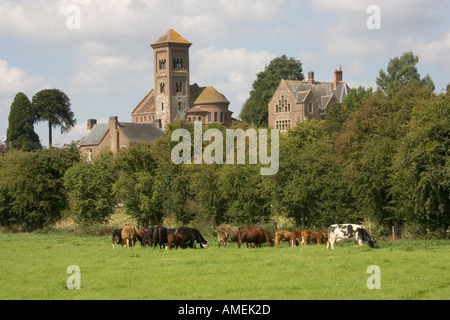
(135, 184)
(402, 71)
(53, 106)
(32, 193)
(89, 189)
(20, 133)
(255, 110)
(368, 143)
(420, 174)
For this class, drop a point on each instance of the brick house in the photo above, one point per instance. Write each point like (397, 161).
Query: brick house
(115, 135)
(297, 101)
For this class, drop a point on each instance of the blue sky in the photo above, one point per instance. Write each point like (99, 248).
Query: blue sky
(106, 66)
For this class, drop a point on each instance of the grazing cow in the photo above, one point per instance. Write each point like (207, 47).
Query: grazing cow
(175, 240)
(348, 232)
(129, 235)
(141, 237)
(282, 235)
(191, 236)
(254, 234)
(225, 233)
(149, 237)
(310, 236)
(116, 237)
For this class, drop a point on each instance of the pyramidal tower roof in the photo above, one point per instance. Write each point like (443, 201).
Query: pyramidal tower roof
(171, 36)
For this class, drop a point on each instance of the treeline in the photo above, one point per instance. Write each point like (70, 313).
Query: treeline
(379, 159)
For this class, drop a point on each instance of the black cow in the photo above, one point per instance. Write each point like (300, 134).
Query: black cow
(116, 237)
(192, 236)
(158, 236)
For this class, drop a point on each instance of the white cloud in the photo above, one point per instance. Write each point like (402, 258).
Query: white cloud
(15, 80)
(433, 51)
(230, 71)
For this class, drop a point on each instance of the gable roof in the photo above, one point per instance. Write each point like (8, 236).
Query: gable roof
(134, 132)
(147, 104)
(95, 136)
(321, 90)
(171, 36)
(140, 132)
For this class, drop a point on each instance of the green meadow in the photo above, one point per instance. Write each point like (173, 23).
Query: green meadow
(34, 266)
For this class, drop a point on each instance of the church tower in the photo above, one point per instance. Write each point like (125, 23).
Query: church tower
(172, 86)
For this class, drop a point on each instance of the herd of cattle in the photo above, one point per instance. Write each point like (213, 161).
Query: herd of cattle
(252, 236)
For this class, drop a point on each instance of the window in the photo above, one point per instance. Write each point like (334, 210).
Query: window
(310, 107)
(162, 88)
(199, 118)
(162, 64)
(178, 63)
(195, 119)
(179, 105)
(89, 154)
(283, 106)
(178, 87)
(162, 106)
(215, 116)
(283, 125)
(221, 117)
(209, 117)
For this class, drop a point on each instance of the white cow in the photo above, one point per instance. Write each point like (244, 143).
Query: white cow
(348, 232)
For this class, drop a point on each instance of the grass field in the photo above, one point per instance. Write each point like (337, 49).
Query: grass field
(34, 267)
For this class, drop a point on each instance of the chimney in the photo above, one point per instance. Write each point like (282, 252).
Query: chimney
(114, 134)
(91, 123)
(311, 77)
(337, 77)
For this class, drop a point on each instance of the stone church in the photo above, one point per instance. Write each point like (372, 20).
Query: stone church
(173, 98)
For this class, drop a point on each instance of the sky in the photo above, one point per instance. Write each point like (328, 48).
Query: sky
(98, 52)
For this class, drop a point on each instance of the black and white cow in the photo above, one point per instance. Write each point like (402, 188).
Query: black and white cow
(348, 232)
(192, 236)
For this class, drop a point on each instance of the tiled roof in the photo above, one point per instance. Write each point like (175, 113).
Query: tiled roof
(96, 135)
(134, 132)
(147, 104)
(171, 36)
(140, 132)
(210, 95)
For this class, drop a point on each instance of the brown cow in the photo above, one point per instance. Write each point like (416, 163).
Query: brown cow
(313, 236)
(281, 235)
(225, 233)
(175, 240)
(141, 237)
(254, 234)
(129, 235)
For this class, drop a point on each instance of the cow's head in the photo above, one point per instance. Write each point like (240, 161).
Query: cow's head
(371, 243)
(270, 242)
(205, 245)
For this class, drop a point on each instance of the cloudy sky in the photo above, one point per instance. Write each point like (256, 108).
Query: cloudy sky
(104, 63)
